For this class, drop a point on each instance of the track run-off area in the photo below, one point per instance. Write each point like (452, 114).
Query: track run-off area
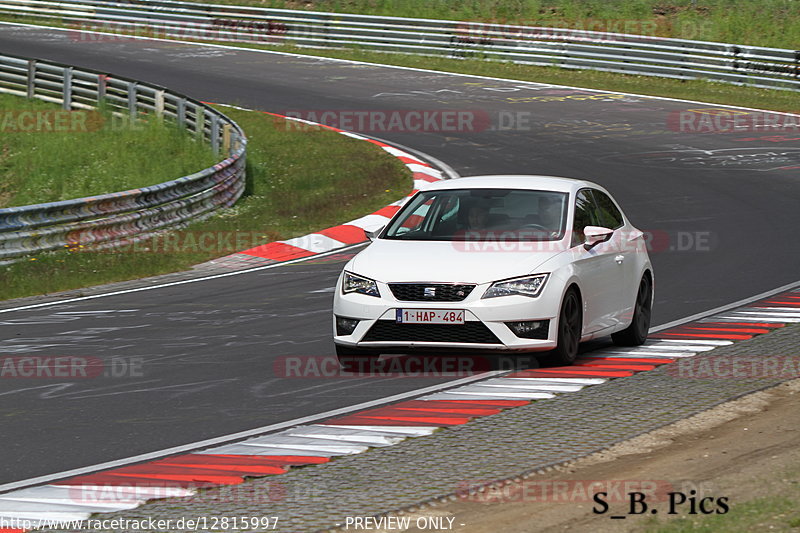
(189, 362)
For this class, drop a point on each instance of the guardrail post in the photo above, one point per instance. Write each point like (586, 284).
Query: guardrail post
(200, 122)
(181, 112)
(234, 143)
(159, 104)
(67, 89)
(214, 133)
(226, 139)
(102, 85)
(31, 89)
(797, 63)
(132, 100)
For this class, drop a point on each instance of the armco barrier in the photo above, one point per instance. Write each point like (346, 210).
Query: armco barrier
(121, 217)
(579, 49)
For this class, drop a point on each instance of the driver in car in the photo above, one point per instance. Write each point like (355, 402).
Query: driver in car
(549, 213)
(477, 217)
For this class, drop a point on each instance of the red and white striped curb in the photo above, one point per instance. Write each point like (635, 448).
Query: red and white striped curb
(127, 487)
(343, 235)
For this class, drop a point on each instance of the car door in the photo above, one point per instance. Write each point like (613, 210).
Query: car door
(599, 271)
(628, 254)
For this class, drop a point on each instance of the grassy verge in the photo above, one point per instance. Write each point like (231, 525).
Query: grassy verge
(47, 154)
(774, 23)
(298, 181)
(777, 511)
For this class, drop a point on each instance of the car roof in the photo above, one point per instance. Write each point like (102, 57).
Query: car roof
(515, 181)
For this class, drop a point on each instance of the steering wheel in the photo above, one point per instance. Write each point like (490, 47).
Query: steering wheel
(535, 226)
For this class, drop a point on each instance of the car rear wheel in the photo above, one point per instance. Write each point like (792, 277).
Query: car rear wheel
(570, 325)
(636, 333)
(355, 359)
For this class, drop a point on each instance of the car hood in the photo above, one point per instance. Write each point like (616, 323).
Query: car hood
(434, 261)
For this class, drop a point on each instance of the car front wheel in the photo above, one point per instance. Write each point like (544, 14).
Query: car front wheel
(570, 325)
(636, 333)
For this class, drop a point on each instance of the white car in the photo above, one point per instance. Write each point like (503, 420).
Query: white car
(509, 263)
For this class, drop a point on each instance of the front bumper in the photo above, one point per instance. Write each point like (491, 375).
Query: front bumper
(485, 325)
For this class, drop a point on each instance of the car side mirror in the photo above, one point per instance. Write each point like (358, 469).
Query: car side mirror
(595, 235)
(373, 234)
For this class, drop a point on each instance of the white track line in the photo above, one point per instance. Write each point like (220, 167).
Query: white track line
(244, 434)
(726, 307)
(183, 282)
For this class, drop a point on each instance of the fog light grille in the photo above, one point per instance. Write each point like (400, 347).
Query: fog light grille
(530, 329)
(345, 326)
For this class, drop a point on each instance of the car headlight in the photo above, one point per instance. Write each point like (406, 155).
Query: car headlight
(359, 284)
(528, 286)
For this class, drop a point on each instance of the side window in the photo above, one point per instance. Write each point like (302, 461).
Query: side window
(448, 210)
(608, 214)
(585, 215)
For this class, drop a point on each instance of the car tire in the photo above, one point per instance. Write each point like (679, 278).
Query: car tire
(570, 326)
(636, 333)
(355, 359)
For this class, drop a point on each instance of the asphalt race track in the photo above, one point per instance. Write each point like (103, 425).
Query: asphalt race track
(205, 359)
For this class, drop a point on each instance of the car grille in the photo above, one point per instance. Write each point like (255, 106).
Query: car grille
(436, 292)
(469, 332)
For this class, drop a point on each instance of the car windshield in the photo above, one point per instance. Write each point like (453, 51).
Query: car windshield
(482, 214)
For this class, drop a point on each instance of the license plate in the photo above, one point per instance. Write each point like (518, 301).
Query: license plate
(430, 316)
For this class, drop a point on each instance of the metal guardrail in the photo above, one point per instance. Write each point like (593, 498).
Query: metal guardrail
(122, 217)
(772, 68)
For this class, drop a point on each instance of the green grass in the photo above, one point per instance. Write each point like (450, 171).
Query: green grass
(774, 23)
(298, 181)
(84, 153)
(775, 509)
(774, 513)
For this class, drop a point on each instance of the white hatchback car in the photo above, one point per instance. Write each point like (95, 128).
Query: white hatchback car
(511, 263)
